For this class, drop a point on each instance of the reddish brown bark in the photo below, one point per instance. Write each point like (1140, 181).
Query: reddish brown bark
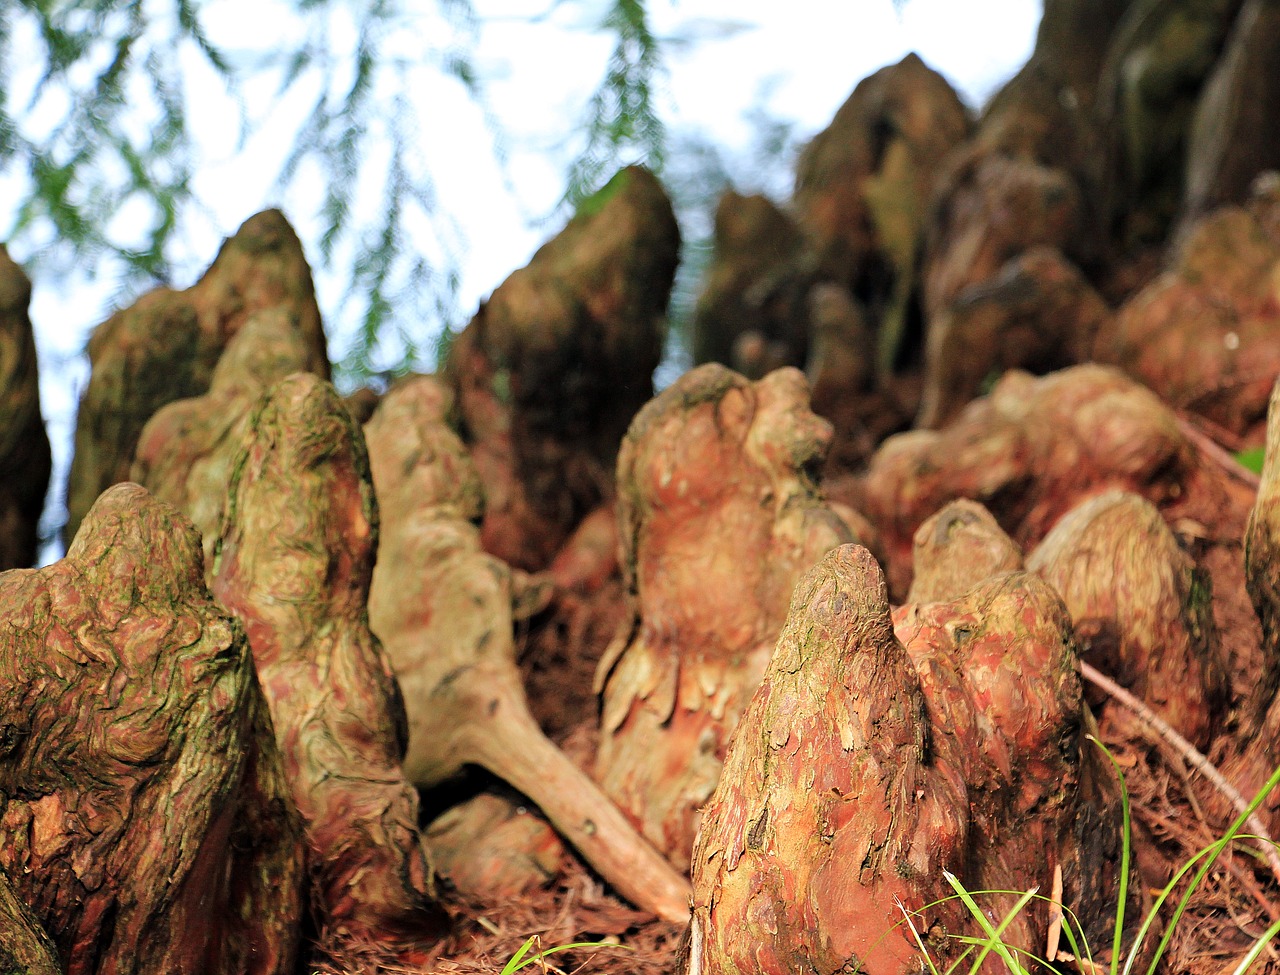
(164, 347)
(957, 548)
(863, 185)
(186, 450)
(1036, 313)
(146, 819)
(864, 767)
(293, 562)
(828, 809)
(1203, 334)
(24, 947)
(1035, 448)
(1140, 610)
(25, 461)
(444, 607)
(555, 364)
(997, 666)
(490, 849)
(747, 287)
(992, 209)
(862, 407)
(718, 517)
(1032, 450)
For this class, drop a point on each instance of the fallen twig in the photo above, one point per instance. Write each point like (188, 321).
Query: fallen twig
(1191, 755)
(1215, 452)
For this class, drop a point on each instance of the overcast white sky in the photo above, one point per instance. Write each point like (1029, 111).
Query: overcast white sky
(798, 61)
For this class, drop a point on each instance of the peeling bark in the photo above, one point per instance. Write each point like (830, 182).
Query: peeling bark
(875, 755)
(829, 809)
(293, 562)
(998, 669)
(164, 347)
(145, 821)
(718, 516)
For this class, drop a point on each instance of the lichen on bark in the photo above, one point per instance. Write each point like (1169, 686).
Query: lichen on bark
(145, 818)
(293, 562)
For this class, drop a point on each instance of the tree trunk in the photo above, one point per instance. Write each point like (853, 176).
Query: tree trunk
(25, 460)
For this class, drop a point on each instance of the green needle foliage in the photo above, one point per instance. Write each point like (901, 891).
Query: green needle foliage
(94, 63)
(622, 123)
(97, 131)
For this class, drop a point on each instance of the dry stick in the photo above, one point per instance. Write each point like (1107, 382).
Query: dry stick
(1217, 453)
(1186, 837)
(1190, 753)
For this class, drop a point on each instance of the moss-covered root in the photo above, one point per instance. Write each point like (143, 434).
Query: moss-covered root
(1140, 609)
(143, 817)
(957, 548)
(444, 608)
(24, 947)
(827, 812)
(294, 561)
(1262, 560)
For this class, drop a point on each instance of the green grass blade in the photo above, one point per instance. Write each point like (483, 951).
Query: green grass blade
(916, 935)
(1215, 850)
(1264, 939)
(519, 961)
(993, 935)
(1122, 896)
(515, 961)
